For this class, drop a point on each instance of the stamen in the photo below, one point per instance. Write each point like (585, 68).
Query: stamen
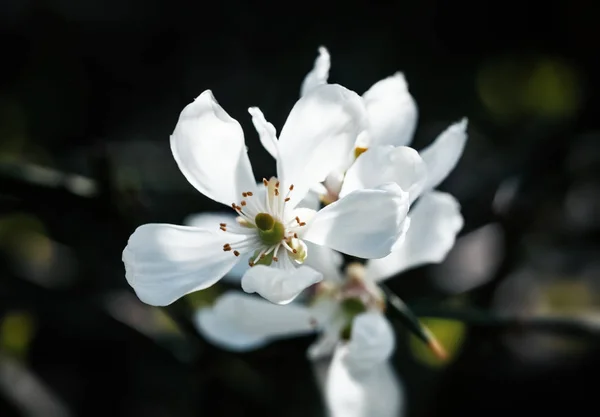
(223, 228)
(249, 193)
(296, 235)
(243, 203)
(244, 194)
(222, 224)
(287, 199)
(275, 259)
(261, 255)
(276, 191)
(302, 224)
(291, 187)
(236, 253)
(238, 209)
(277, 184)
(288, 247)
(265, 182)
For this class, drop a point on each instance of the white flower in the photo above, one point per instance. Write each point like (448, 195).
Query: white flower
(164, 262)
(382, 156)
(344, 310)
(347, 311)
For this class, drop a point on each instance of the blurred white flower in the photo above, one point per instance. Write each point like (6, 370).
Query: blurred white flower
(346, 311)
(164, 262)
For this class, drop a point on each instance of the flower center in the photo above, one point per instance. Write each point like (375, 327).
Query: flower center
(270, 231)
(267, 227)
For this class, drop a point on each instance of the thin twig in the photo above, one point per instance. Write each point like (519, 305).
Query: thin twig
(570, 326)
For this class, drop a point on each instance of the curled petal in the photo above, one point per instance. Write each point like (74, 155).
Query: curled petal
(208, 146)
(164, 262)
(392, 112)
(365, 223)
(319, 74)
(435, 222)
(378, 165)
(242, 322)
(443, 154)
(279, 285)
(318, 137)
(377, 393)
(371, 342)
(266, 131)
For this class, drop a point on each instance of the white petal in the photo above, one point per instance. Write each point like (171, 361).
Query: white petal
(318, 136)
(392, 112)
(443, 154)
(330, 337)
(371, 342)
(311, 200)
(435, 222)
(365, 223)
(266, 131)
(382, 164)
(221, 332)
(211, 221)
(279, 285)
(319, 74)
(208, 146)
(239, 321)
(377, 393)
(325, 260)
(164, 262)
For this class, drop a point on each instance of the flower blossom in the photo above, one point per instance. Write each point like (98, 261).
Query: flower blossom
(347, 311)
(270, 232)
(381, 155)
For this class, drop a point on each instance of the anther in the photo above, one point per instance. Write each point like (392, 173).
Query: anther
(244, 195)
(302, 224)
(287, 199)
(222, 224)
(243, 203)
(276, 191)
(249, 193)
(223, 228)
(294, 250)
(296, 235)
(233, 206)
(275, 258)
(265, 182)
(250, 263)
(291, 187)
(236, 253)
(277, 185)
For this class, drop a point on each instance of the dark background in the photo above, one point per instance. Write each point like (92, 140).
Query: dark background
(90, 91)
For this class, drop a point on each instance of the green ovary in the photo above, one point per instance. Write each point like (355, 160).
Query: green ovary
(270, 231)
